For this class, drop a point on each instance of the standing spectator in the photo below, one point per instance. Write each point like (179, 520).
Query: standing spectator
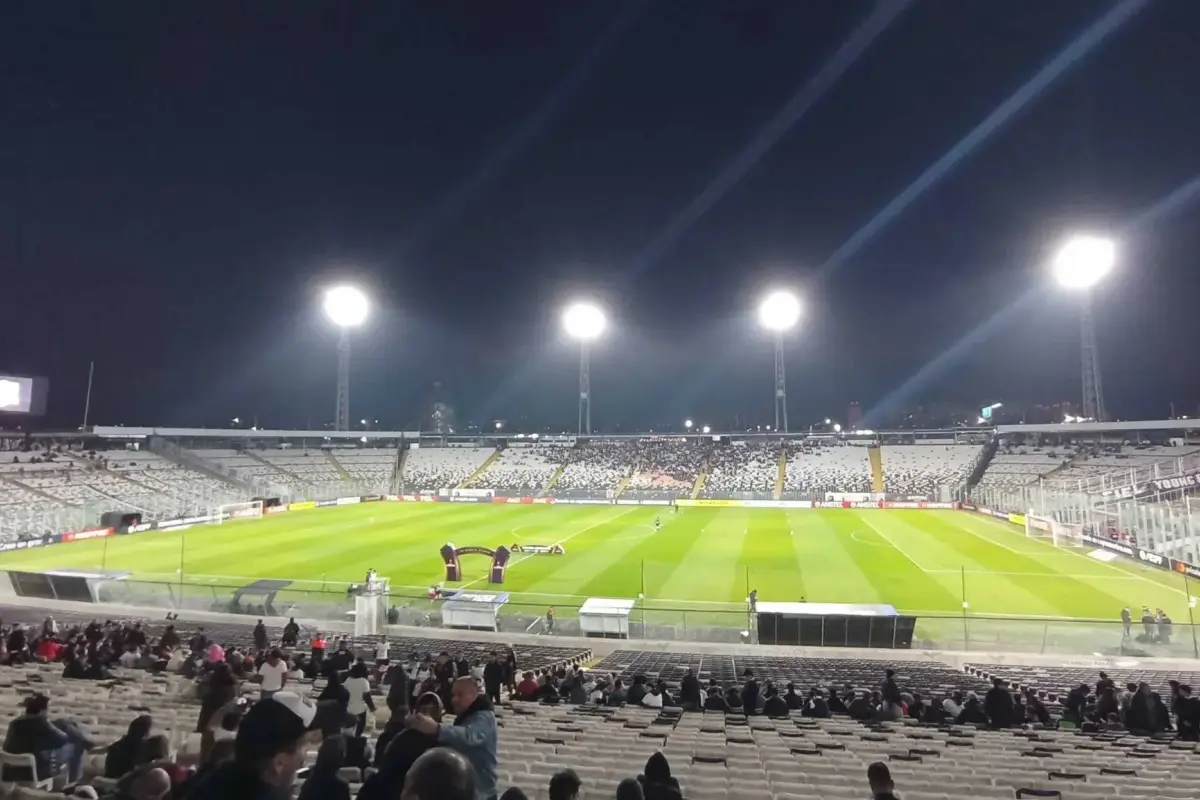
(473, 734)
(550, 620)
(493, 678)
(510, 669)
(749, 693)
(268, 750)
(323, 782)
(689, 691)
(656, 780)
(261, 640)
(441, 774)
(291, 633)
(272, 675)
(1187, 715)
(358, 686)
(891, 707)
(998, 705)
(1035, 709)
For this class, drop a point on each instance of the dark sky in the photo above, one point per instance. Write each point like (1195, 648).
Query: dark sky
(178, 180)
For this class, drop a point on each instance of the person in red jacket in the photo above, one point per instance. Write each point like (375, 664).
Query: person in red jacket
(527, 689)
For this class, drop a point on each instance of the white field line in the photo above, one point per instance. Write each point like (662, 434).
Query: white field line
(888, 539)
(1035, 574)
(523, 556)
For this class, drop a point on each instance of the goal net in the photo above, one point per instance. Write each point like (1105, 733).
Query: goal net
(252, 509)
(1062, 534)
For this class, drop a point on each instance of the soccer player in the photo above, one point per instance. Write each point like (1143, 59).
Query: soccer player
(657, 524)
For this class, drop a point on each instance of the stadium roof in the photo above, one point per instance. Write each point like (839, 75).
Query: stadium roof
(1104, 427)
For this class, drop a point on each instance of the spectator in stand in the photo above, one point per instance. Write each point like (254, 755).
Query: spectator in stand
(890, 707)
(170, 639)
(268, 750)
(153, 784)
(972, 712)
(775, 706)
(1108, 705)
(618, 696)
(816, 707)
(653, 698)
(565, 785)
(395, 757)
(716, 701)
(155, 753)
(879, 777)
(689, 691)
(473, 733)
(291, 633)
(860, 707)
(441, 774)
(527, 689)
(323, 781)
(1076, 704)
(1035, 709)
(637, 691)
(998, 705)
(122, 753)
(358, 688)
(261, 640)
(493, 677)
(1187, 714)
(656, 780)
(749, 693)
(272, 675)
(1147, 714)
(630, 789)
(794, 701)
(52, 744)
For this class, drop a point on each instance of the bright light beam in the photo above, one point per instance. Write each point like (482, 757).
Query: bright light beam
(430, 222)
(1164, 207)
(1070, 56)
(768, 136)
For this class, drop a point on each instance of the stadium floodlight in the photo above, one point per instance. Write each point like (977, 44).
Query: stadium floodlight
(837, 427)
(1080, 264)
(779, 312)
(346, 307)
(687, 423)
(707, 429)
(586, 322)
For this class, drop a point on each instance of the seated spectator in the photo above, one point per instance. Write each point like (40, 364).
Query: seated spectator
(565, 785)
(637, 691)
(441, 774)
(1108, 706)
(860, 708)
(155, 753)
(153, 784)
(396, 757)
(972, 712)
(775, 705)
(630, 789)
(653, 698)
(323, 781)
(618, 696)
(816, 707)
(60, 742)
(268, 751)
(879, 777)
(953, 704)
(716, 702)
(656, 780)
(527, 689)
(1035, 709)
(1076, 704)
(122, 754)
(794, 701)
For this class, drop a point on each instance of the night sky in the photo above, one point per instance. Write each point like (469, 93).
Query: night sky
(179, 180)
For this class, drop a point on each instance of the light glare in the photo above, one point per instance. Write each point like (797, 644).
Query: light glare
(779, 311)
(584, 321)
(1083, 261)
(346, 306)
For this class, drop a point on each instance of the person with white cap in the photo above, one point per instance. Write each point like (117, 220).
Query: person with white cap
(268, 751)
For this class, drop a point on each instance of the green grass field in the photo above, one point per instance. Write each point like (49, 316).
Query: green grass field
(703, 559)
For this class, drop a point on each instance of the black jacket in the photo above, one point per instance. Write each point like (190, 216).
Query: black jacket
(775, 707)
(121, 756)
(716, 702)
(233, 781)
(493, 673)
(998, 705)
(750, 697)
(404, 749)
(689, 689)
(325, 787)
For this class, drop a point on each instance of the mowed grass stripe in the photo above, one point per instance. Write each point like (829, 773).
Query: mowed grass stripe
(895, 573)
(654, 556)
(829, 567)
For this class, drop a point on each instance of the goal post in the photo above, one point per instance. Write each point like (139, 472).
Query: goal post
(1060, 534)
(251, 509)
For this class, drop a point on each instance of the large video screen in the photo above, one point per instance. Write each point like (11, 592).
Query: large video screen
(22, 394)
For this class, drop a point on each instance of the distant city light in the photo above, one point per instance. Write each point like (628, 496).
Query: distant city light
(499, 424)
(837, 427)
(346, 306)
(707, 429)
(827, 420)
(687, 423)
(779, 311)
(1083, 261)
(584, 321)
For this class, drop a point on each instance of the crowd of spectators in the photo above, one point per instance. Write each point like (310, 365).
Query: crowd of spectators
(667, 467)
(523, 469)
(432, 468)
(813, 469)
(596, 467)
(742, 468)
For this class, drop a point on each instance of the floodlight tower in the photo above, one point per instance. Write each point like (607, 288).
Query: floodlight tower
(1081, 263)
(346, 307)
(778, 313)
(585, 322)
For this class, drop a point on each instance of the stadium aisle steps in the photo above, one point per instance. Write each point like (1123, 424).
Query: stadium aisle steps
(701, 479)
(558, 473)
(276, 467)
(58, 501)
(398, 470)
(346, 476)
(875, 454)
(782, 474)
(474, 476)
(621, 486)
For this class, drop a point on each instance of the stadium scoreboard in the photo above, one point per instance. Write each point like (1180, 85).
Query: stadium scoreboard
(23, 394)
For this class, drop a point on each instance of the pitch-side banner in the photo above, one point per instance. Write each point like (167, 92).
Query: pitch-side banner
(687, 501)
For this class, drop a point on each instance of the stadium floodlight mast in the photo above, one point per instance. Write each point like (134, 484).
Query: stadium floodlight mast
(586, 322)
(779, 312)
(1081, 263)
(346, 307)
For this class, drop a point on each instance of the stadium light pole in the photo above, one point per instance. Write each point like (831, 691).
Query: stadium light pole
(346, 307)
(778, 313)
(585, 322)
(1081, 263)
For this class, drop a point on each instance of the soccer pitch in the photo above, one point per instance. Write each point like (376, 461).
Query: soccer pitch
(703, 559)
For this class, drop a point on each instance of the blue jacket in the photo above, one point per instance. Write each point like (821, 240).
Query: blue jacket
(474, 734)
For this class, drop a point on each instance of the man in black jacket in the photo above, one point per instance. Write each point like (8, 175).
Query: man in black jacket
(493, 678)
(749, 693)
(395, 755)
(774, 706)
(689, 691)
(794, 701)
(998, 705)
(261, 640)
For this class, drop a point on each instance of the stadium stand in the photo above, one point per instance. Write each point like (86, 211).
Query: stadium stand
(742, 468)
(922, 469)
(816, 469)
(372, 469)
(1116, 461)
(666, 468)
(595, 467)
(523, 469)
(432, 468)
(1019, 465)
